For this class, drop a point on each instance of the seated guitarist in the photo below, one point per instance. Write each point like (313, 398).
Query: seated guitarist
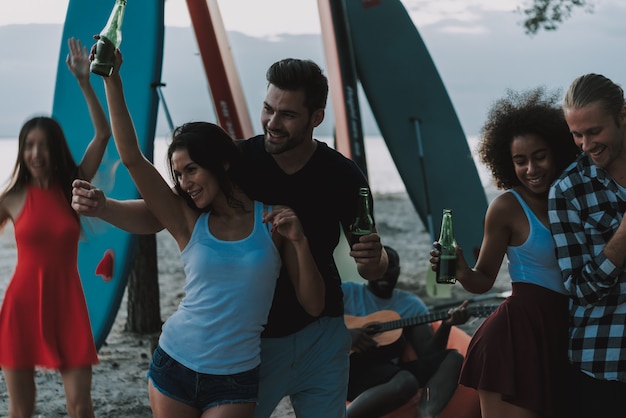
(379, 381)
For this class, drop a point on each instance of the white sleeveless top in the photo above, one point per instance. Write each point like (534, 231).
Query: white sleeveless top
(229, 288)
(535, 260)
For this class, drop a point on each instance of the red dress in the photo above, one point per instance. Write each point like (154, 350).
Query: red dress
(44, 319)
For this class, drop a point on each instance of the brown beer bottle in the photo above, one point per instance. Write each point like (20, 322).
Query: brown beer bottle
(446, 273)
(363, 223)
(110, 39)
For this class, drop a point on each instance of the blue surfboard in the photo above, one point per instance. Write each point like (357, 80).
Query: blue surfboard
(142, 46)
(417, 119)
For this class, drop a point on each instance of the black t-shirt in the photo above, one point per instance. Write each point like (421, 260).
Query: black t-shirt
(324, 195)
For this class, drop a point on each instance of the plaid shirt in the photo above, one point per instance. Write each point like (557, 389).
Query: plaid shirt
(585, 207)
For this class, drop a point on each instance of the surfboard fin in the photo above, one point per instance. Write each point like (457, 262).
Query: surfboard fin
(105, 266)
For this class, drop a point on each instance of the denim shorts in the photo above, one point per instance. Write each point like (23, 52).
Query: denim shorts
(199, 390)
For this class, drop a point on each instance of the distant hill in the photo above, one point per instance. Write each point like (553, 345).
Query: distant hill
(476, 61)
(28, 72)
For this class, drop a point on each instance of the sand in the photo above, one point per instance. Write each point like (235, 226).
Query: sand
(119, 382)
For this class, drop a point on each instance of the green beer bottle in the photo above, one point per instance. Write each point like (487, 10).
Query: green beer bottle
(363, 223)
(446, 273)
(110, 39)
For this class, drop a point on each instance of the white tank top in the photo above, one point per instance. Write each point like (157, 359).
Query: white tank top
(229, 288)
(535, 260)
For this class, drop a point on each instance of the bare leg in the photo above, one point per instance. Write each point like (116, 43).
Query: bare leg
(77, 384)
(239, 410)
(381, 399)
(21, 388)
(492, 406)
(441, 386)
(165, 407)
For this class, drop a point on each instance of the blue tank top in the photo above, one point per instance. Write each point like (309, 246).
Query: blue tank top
(535, 260)
(229, 287)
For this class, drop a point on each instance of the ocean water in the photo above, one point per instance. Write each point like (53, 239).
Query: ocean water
(383, 176)
(384, 180)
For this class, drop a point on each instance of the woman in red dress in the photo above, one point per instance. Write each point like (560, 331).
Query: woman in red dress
(44, 320)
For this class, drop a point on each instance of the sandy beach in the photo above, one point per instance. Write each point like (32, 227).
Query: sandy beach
(119, 381)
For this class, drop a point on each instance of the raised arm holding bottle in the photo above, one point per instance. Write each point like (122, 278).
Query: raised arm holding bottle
(232, 249)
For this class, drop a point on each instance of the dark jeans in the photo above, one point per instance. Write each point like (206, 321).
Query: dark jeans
(199, 390)
(597, 398)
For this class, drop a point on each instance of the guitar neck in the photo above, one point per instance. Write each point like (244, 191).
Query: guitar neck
(416, 320)
(479, 311)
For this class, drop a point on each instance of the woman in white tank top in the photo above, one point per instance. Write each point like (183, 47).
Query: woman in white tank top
(517, 359)
(231, 249)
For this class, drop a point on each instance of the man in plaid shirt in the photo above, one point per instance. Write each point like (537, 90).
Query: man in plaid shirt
(586, 208)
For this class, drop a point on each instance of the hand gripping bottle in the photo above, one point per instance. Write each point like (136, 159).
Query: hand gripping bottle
(110, 39)
(446, 273)
(363, 223)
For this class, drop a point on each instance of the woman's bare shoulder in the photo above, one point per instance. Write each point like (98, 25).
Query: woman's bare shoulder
(12, 204)
(504, 208)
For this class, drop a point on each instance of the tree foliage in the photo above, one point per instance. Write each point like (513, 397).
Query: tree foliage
(549, 14)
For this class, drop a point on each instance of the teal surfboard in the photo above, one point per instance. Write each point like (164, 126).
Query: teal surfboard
(142, 46)
(417, 119)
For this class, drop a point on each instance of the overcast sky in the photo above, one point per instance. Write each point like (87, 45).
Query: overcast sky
(478, 46)
(264, 17)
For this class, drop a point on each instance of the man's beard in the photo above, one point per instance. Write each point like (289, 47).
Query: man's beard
(276, 149)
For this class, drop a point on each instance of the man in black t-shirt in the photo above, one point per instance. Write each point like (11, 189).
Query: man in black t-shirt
(303, 357)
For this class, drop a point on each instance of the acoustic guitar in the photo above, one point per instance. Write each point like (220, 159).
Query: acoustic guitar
(385, 326)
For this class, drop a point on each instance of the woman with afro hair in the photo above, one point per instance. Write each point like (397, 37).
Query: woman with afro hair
(517, 359)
